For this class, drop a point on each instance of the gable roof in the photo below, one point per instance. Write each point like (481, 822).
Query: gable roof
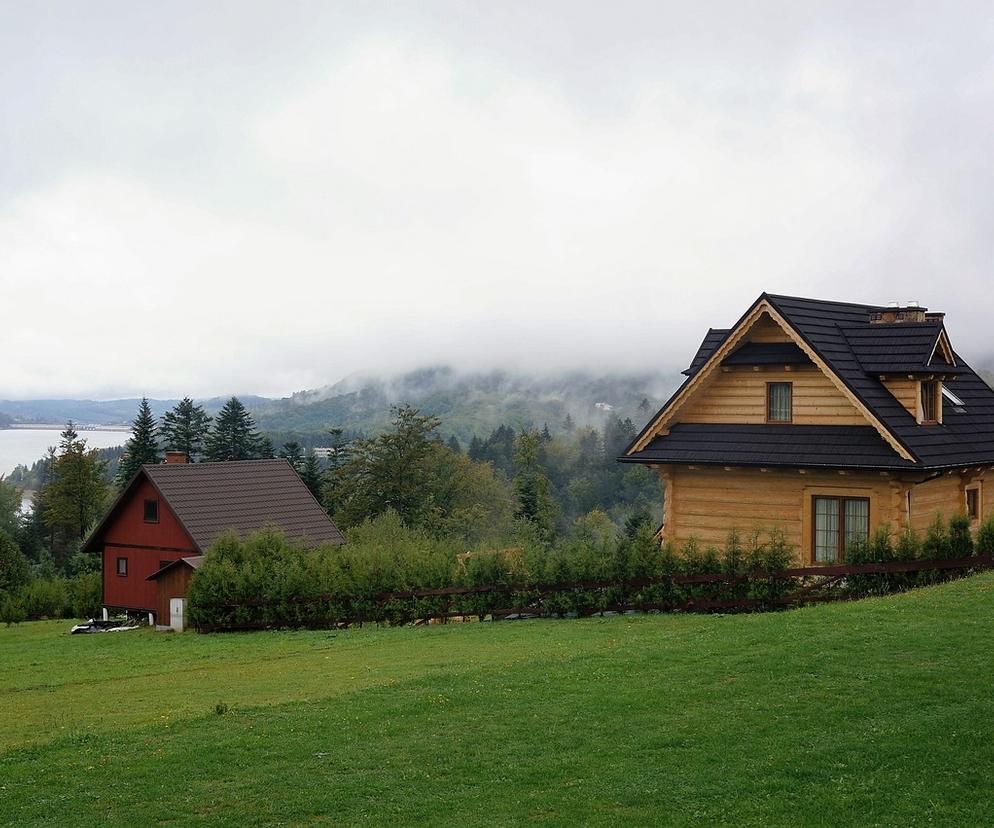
(244, 495)
(857, 353)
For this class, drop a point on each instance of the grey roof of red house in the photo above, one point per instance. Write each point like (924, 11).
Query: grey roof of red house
(244, 495)
(194, 562)
(859, 352)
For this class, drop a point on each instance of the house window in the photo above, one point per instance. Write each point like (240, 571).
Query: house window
(779, 402)
(931, 393)
(838, 521)
(973, 503)
(151, 511)
(122, 567)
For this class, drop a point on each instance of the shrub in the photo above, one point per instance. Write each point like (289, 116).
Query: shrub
(985, 537)
(936, 544)
(15, 571)
(12, 610)
(86, 595)
(960, 538)
(45, 598)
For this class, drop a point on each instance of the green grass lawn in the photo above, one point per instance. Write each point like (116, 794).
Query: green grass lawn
(877, 712)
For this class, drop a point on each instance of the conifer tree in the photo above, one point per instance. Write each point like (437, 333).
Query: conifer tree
(476, 449)
(339, 454)
(265, 449)
(233, 435)
(142, 448)
(293, 454)
(454, 445)
(310, 473)
(532, 488)
(184, 428)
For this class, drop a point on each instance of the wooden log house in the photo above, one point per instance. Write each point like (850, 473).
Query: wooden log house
(825, 419)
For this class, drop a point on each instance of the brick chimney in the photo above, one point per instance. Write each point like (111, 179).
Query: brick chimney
(896, 313)
(176, 457)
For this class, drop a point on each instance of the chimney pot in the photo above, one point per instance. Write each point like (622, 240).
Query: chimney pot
(176, 457)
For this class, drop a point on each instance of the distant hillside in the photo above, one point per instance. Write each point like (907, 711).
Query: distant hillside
(96, 412)
(469, 403)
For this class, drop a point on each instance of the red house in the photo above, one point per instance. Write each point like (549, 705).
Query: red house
(176, 510)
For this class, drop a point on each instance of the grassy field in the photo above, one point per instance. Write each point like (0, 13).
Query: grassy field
(872, 713)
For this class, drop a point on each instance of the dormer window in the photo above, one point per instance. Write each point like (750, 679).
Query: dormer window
(779, 402)
(931, 402)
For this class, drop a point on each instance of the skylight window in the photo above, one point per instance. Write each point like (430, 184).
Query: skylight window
(949, 395)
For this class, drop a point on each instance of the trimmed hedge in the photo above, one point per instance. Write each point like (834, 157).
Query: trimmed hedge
(264, 580)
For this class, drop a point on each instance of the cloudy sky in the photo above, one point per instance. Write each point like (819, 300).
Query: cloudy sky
(250, 197)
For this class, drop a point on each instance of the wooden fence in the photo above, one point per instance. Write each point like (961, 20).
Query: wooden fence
(794, 587)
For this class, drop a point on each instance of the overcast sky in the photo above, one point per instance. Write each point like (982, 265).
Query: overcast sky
(213, 197)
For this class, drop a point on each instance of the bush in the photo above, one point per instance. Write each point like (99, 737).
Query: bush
(985, 537)
(86, 595)
(15, 571)
(960, 538)
(43, 598)
(12, 610)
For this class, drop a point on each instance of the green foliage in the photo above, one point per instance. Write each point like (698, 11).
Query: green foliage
(233, 435)
(532, 488)
(44, 598)
(142, 448)
(985, 537)
(15, 571)
(184, 428)
(11, 610)
(293, 454)
(10, 507)
(85, 595)
(960, 537)
(263, 580)
(310, 473)
(936, 543)
(74, 494)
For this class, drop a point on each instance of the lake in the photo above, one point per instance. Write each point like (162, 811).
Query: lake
(25, 445)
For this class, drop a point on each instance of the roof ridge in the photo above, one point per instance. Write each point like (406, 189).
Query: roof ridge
(825, 301)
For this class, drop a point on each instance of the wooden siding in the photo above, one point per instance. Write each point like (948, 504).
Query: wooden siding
(766, 329)
(707, 504)
(738, 395)
(946, 496)
(173, 584)
(145, 545)
(905, 391)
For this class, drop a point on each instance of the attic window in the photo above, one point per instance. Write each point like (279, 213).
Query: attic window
(151, 511)
(779, 402)
(931, 396)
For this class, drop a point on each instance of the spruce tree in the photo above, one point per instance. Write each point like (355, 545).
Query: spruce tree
(310, 473)
(184, 428)
(532, 488)
(454, 445)
(142, 448)
(293, 454)
(233, 435)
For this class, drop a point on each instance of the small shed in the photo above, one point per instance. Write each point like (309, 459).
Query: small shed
(172, 581)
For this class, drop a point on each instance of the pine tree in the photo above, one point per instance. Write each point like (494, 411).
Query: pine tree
(568, 424)
(310, 473)
(265, 448)
(293, 454)
(476, 449)
(184, 428)
(339, 454)
(532, 488)
(453, 444)
(142, 448)
(233, 435)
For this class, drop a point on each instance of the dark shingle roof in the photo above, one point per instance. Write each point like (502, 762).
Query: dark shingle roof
(210, 498)
(771, 445)
(859, 352)
(767, 353)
